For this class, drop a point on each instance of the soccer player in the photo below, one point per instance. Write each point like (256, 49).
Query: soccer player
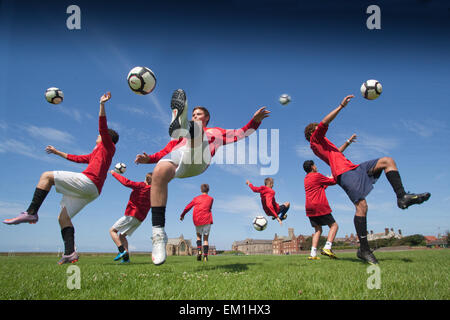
(137, 209)
(357, 179)
(188, 154)
(202, 218)
(78, 189)
(270, 205)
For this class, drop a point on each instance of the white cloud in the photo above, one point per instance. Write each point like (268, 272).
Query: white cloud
(49, 134)
(244, 205)
(425, 128)
(10, 209)
(304, 151)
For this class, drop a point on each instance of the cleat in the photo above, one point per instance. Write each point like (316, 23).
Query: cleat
(205, 258)
(411, 198)
(313, 258)
(23, 217)
(179, 122)
(283, 218)
(120, 255)
(199, 257)
(71, 258)
(125, 261)
(159, 241)
(367, 256)
(329, 253)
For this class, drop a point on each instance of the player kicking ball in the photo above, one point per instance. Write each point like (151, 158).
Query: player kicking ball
(188, 154)
(78, 189)
(202, 218)
(357, 179)
(137, 209)
(270, 206)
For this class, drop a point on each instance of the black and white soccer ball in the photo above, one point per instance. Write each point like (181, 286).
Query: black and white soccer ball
(54, 95)
(371, 89)
(259, 223)
(120, 167)
(141, 80)
(284, 99)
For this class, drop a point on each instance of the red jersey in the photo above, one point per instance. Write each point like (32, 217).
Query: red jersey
(202, 210)
(99, 160)
(270, 206)
(139, 204)
(328, 152)
(216, 136)
(316, 203)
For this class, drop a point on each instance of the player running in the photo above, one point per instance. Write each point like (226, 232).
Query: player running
(188, 154)
(202, 218)
(270, 205)
(137, 209)
(78, 189)
(357, 179)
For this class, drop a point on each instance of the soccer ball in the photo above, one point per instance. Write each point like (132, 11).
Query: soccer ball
(259, 223)
(120, 167)
(141, 80)
(371, 89)
(284, 99)
(54, 95)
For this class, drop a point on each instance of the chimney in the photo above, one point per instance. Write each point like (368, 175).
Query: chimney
(291, 233)
(386, 231)
(371, 231)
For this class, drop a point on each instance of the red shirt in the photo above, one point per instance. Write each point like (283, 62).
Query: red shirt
(316, 203)
(202, 210)
(99, 160)
(328, 152)
(139, 204)
(217, 137)
(270, 206)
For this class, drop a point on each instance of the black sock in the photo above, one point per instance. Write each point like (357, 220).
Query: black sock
(68, 235)
(205, 250)
(38, 198)
(361, 231)
(126, 256)
(121, 249)
(199, 246)
(158, 216)
(396, 182)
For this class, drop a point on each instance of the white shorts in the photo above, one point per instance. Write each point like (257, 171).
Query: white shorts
(190, 162)
(204, 229)
(126, 225)
(77, 189)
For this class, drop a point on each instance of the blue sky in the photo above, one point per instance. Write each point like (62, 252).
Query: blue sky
(231, 57)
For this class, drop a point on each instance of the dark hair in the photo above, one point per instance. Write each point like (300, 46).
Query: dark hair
(114, 135)
(267, 180)
(307, 165)
(309, 129)
(204, 188)
(148, 178)
(204, 110)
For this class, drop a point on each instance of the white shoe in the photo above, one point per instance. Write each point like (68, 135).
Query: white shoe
(159, 242)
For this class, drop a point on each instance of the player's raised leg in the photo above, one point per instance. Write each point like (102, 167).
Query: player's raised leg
(179, 125)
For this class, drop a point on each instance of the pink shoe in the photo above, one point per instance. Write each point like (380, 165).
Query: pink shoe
(70, 258)
(23, 217)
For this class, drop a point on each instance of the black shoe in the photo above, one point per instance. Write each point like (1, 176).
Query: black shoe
(199, 257)
(411, 198)
(283, 217)
(367, 256)
(179, 122)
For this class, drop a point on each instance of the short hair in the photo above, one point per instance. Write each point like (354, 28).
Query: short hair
(307, 166)
(114, 135)
(309, 129)
(205, 111)
(148, 178)
(267, 180)
(204, 188)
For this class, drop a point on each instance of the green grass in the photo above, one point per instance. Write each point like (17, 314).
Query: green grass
(420, 275)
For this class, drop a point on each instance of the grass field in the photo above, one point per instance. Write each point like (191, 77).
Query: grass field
(422, 274)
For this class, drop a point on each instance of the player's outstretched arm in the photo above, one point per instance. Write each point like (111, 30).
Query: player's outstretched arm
(347, 143)
(103, 99)
(261, 114)
(330, 117)
(52, 149)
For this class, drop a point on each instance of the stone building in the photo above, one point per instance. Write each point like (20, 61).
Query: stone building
(387, 234)
(288, 245)
(253, 246)
(178, 247)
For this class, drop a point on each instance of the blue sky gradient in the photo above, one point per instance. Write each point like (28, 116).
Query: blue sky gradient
(231, 57)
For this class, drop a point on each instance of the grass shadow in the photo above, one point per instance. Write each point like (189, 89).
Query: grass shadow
(235, 267)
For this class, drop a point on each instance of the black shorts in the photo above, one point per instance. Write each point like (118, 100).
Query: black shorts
(325, 220)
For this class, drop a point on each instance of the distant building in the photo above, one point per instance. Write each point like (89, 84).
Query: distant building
(351, 240)
(178, 247)
(387, 234)
(212, 251)
(433, 242)
(288, 245)
(253, 246)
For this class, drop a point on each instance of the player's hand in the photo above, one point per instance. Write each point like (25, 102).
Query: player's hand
(261, 114)
(112, 171)
(105, 97)
(346, 100)
(352, 138)
(181, 218)
(142, 158)
(247, 182)
(51, 149)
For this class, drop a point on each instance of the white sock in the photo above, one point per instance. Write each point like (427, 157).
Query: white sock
(313, 252)
(328, 245)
